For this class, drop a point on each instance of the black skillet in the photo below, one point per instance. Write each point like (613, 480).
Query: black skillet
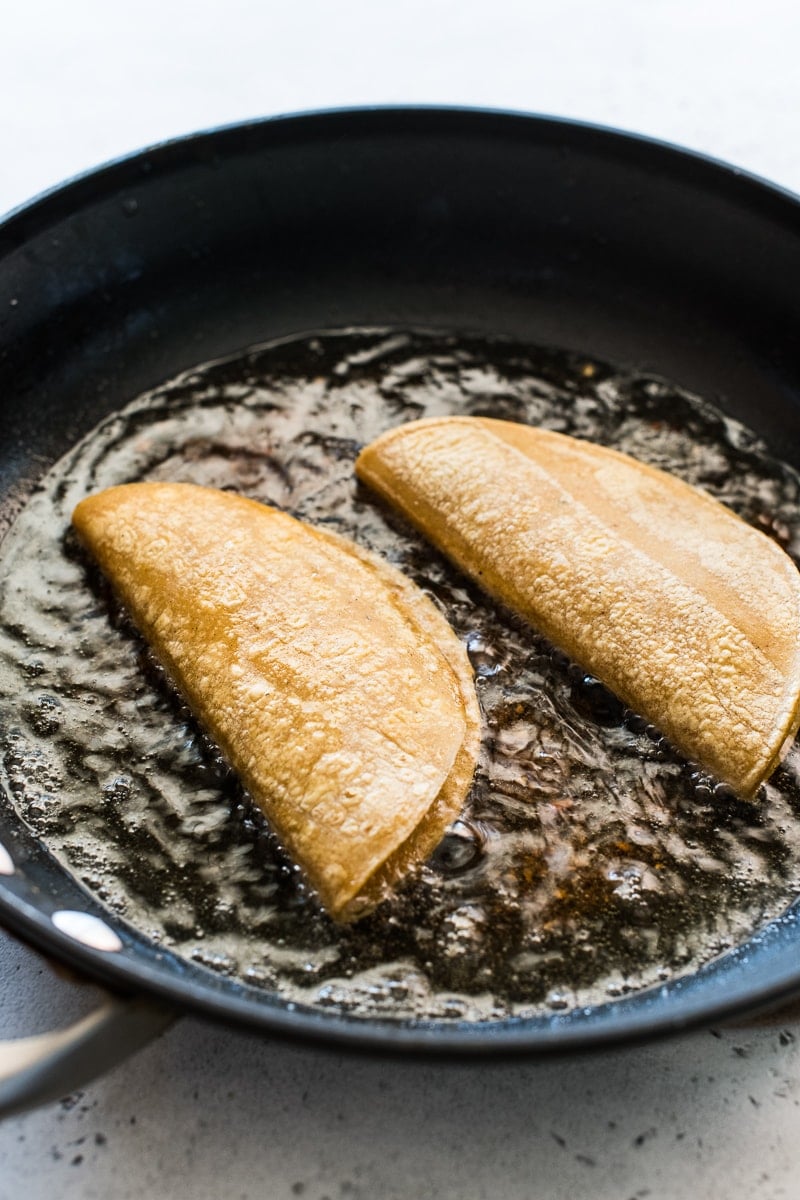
(547, 231)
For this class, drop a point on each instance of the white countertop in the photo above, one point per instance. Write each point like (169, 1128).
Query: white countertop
(87, 81)
(206, 1112)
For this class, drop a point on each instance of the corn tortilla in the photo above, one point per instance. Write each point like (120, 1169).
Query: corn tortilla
(689, 614)
(333, 687)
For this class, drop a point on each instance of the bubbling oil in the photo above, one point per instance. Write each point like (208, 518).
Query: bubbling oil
(589, 860)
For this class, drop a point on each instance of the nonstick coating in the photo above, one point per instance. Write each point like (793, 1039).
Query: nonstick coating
(547, 231)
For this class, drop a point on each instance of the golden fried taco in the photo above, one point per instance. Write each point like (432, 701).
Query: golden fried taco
(333, 687)
(689, 614)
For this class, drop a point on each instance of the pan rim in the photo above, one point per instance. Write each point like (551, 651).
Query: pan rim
(110, 169)
(631, 1019)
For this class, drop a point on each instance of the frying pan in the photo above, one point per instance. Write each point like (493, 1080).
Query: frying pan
(547, 231)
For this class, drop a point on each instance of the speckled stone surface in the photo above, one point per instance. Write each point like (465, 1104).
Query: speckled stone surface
(206, 1112)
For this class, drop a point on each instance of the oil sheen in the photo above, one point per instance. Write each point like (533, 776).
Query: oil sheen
(589, 861)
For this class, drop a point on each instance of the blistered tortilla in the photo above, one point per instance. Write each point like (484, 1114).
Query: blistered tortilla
(689, 614)
(332, 686)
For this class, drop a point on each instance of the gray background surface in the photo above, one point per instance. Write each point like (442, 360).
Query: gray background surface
(207, 1112)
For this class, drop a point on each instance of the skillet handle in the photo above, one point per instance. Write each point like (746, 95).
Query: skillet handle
(36, 1070)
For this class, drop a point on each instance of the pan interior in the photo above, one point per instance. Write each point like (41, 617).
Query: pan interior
(590, 862)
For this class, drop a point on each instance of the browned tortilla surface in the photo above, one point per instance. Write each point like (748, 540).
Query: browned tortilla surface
(331, 684)
(690, 615)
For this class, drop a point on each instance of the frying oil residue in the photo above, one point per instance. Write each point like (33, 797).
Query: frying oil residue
(589, 860)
